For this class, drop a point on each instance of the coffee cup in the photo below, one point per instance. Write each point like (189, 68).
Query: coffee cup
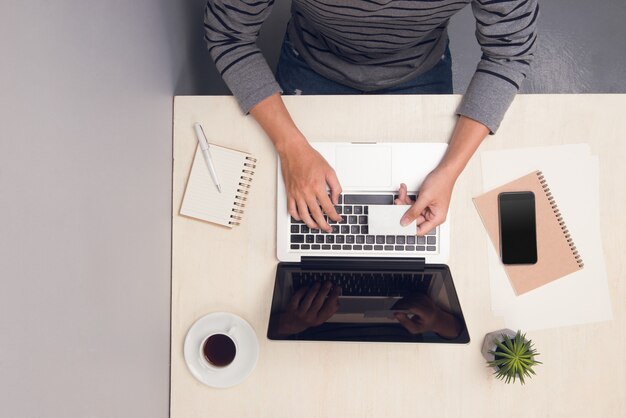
(218, 350)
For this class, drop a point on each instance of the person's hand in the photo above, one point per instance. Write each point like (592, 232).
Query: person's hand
(306, 174)
(431, 207)
(309, 307)
(427, 317)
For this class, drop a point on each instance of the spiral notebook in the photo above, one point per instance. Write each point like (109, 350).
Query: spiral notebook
(202, 200)
(557, 255)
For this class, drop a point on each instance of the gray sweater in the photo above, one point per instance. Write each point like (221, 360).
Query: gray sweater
(375, 44)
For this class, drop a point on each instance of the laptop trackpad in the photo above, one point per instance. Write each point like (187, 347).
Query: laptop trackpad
(364, 166)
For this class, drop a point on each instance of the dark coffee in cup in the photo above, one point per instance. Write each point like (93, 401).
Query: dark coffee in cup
(219, 350)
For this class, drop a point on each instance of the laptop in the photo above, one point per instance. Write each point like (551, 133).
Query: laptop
(351, 285)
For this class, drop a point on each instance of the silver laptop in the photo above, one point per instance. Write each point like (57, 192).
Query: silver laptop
(370, 174)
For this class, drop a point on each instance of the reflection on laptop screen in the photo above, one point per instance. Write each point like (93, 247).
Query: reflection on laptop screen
(390, 305)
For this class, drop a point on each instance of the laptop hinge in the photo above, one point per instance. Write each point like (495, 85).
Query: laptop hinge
(360, 263)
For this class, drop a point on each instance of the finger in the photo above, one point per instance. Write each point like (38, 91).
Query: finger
(335, 187)
(293, 209)
(294, 302)
(320, 298)
(414, 211)
(407, 323)
(330, 305)
(303, 211)
(402, 194)
(328, 207)
(406, 200)
(432, 220)
(310, 295)
(318, 216)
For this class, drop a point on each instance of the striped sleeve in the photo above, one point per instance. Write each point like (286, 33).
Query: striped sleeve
(231, 30)
(506, 32)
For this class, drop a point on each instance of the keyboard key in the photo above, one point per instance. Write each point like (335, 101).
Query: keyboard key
(335, 229)
(315, 231)
(410, 247)
(431, 240)
(343, 220)
(352, 219)
(357, 247)
(388, 247)
(432, 232)
(410, 239)
(420, 248)
(305, 247)
(336, 247)
(295, 221)
(296, 239)
(347, 247)
(370, 239)
(295, 246)
(354, 229)
(347, 210)
(350, 239)
(364, 230)
(340, 200)
(399, 247)
(378, 247)
(365, 199)
(319, 239)
(400, 239)
(330, 239)
(421, 240)
(358, 210)
(431, 248)
(339, 239)
(345, 229)
(363, 220)
(380, 239)
(360, 239)
(367, 247)
(295, 229)
(304, 229)
(310, 239)
(391, 239)
(326, 247)
(315, 247)
(338, 209)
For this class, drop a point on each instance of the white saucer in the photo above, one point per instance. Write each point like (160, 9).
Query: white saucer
(245, 340)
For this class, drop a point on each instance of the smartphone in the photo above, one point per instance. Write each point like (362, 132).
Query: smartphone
(518, 229)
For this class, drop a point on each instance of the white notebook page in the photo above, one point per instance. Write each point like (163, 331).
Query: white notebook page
(202, 199)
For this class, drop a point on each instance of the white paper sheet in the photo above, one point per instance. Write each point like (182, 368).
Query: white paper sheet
(581, 297)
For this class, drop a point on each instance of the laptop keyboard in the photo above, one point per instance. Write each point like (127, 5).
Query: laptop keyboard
(352, 233)
(366, 283)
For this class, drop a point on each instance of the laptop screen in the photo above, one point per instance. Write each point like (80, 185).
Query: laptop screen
(390, 303)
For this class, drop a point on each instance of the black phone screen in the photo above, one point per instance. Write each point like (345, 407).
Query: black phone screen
(518, 232)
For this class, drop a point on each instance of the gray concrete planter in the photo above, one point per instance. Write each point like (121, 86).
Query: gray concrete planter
(489, 343)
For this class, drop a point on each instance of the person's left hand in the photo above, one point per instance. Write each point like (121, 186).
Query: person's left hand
(433, 201)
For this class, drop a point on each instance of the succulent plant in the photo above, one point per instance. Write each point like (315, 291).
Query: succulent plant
(514, 358)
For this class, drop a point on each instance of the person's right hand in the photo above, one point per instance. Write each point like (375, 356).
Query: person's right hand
(306, 174)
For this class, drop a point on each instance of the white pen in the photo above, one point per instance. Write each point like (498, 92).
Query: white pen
(204, 147)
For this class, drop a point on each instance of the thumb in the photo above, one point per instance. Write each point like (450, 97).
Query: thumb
(414, 211)
(335, 187)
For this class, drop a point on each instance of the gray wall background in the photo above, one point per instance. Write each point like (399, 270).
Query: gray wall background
(85, 171)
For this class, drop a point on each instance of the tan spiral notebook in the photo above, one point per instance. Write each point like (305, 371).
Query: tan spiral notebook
(556, 252)
(202, 200)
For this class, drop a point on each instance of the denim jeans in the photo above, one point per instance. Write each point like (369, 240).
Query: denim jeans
(296, 77)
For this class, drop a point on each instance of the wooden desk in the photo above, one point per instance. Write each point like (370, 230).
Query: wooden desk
(216, 269)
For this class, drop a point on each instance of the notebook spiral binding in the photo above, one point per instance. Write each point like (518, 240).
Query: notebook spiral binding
(243, 189)
(559, 218)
